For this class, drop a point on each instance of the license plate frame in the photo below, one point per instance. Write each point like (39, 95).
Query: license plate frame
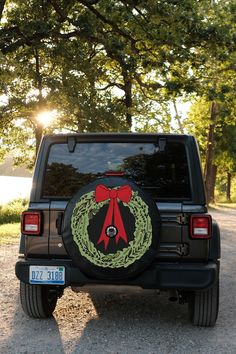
(47, 275)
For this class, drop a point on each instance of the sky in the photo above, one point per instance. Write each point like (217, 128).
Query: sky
(13, 188)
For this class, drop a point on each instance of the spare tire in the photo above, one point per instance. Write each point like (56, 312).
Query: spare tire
(111, 229)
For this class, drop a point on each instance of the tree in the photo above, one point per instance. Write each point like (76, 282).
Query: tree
(216, 77)
(215, 127)
(102, 64)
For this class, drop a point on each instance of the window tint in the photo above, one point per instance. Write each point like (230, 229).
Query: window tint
(162, 174)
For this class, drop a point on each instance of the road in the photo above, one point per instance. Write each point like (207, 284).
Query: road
(120, 323)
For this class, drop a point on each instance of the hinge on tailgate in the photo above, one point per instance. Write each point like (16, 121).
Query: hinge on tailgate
(182, 219)
(179, 218)
(182, 249)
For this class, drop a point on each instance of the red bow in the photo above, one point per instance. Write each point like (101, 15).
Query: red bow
(123, 194)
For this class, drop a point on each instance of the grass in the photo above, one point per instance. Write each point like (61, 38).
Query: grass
(9, 233)
(10, 220)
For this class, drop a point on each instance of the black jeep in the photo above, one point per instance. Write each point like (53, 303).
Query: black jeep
(119, 209)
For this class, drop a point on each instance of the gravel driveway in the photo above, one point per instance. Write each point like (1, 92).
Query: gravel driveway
(120, 323)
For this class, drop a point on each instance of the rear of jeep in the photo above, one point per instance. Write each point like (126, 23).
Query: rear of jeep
(119, 209)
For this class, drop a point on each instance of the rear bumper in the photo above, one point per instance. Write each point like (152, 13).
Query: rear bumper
(181, 276)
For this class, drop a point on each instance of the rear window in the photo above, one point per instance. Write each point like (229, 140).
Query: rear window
(161, 174)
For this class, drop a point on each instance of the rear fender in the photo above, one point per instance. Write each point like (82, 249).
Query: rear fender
(214, 244)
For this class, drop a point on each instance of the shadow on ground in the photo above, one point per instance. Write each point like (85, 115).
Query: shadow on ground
(131, 323)
(28, 335)
(145, 324)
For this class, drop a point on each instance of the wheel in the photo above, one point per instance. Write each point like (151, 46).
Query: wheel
(38, 301)
(204, 306)
(111, 229)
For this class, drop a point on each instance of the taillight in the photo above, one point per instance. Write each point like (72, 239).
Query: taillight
(200, 226)
(31, 223)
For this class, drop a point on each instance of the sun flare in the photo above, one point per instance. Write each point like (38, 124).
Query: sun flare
(46, 117)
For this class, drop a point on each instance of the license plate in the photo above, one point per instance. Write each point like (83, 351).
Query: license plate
(47, 275)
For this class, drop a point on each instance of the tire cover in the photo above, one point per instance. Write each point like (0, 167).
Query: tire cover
(111, 229)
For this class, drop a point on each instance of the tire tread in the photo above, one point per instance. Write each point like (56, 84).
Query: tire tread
(204, 306)
(35, 301)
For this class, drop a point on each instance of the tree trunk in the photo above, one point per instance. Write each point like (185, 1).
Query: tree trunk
(39, 80)
(228, 190)
(39, 84)
(2, 4)
(128, 97)
(177, 117)
(213, 183)
(38, 137)
(208, 171)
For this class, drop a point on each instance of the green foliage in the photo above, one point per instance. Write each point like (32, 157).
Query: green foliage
(198, 123)
(106, 64)
(11, 212)
(221, 187)
(158, 120)
(9, 233)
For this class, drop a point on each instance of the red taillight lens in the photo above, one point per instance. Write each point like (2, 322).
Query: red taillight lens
(200, 226)
(31, 223)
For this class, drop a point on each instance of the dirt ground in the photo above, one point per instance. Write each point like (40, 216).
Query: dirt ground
(120, 323)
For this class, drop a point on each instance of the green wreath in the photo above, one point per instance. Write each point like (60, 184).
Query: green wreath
(87, 207)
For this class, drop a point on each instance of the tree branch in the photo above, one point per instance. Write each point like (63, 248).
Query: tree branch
(111, 84)
(2, 4)
(107, 21)
(61, 14)
(153, 86)
(177, 117)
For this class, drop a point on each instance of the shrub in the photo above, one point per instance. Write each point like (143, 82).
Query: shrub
(11, 212)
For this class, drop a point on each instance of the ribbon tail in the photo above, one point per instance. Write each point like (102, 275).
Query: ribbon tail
(119, 224)
(108, 220)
